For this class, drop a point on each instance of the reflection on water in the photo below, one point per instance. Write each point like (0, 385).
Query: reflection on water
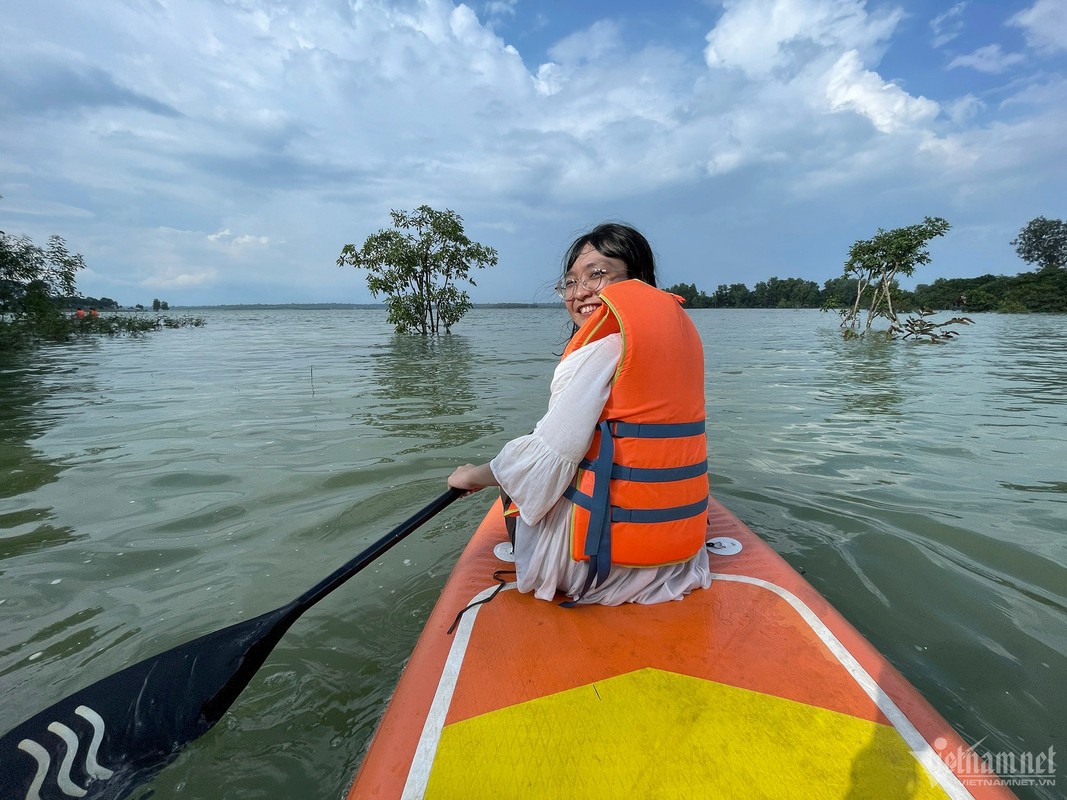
(23, 416)
(862, 375)
(423, 390)
(26, 390)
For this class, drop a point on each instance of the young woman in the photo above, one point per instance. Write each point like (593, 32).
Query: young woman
(611, 486)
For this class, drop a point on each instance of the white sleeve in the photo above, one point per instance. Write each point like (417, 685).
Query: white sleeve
(536, 469)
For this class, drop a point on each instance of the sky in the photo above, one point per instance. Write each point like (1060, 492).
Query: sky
(224, 151)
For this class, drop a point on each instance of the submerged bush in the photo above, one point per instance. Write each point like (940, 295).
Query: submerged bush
(56, 327)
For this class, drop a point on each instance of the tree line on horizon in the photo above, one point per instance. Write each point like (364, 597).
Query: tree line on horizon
(1042, 242)
(1027, 292)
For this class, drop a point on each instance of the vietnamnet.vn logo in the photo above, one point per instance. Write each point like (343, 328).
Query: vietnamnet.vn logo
(988, 768)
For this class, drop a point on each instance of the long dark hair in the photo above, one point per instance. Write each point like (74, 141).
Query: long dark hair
(615, 240)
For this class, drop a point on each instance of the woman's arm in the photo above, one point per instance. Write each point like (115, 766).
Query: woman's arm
(471, 477)
(535, 469)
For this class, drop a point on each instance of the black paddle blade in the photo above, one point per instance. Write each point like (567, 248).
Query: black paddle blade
(105, 740)
(108, 738)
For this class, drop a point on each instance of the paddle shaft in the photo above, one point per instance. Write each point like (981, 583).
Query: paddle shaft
(103, 741)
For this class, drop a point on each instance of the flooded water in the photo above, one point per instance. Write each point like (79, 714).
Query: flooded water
(156, 489)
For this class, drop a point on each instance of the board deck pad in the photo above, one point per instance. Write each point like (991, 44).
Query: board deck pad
(755, 687)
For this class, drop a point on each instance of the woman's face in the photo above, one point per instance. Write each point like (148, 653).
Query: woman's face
(590, 273)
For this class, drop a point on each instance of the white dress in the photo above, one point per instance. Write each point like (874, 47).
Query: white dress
(536, 469)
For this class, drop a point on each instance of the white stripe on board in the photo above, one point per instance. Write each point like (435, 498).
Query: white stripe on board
(937, 768)
(419, 774)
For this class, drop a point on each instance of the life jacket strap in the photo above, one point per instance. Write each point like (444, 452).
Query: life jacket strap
(620, 514)
(650, 474)
(656, 430)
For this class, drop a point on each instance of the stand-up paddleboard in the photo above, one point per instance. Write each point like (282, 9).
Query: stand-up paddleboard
(754, 688)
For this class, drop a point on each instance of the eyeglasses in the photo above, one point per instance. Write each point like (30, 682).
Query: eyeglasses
(592, 281)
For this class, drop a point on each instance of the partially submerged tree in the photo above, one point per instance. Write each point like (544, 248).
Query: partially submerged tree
(32, 279)
(417, 265)
(31, 275)
(36, 283)
(874, 266)
(1043, 242)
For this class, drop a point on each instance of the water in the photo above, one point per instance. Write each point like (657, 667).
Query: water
(155, 489)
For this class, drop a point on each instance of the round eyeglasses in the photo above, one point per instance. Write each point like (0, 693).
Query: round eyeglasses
(592, 281)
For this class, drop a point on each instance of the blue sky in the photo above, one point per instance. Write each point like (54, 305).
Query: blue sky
(224, 151)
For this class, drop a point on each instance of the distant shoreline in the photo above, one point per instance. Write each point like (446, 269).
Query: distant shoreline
(336, 306)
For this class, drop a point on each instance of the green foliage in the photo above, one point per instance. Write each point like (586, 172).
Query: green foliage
(736, 295)
(101, 303)
(838, 293)
(417, 264)
(1043, 242)
(31, 280)
(29, 273)
(19, 332)
(1042, 291)
(773, 293)
(694, 298)
(787, 293)
(874, 264)
(921, 328)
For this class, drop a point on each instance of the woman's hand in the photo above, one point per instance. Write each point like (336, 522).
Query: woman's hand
(471, 477)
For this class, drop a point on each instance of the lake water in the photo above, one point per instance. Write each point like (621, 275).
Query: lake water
(156, 489)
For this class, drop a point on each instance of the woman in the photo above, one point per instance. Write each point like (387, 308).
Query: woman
(611, 486)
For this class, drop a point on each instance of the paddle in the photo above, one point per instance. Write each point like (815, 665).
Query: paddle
(135, 722)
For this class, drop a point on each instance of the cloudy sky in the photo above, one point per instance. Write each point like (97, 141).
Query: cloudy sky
(224, 151)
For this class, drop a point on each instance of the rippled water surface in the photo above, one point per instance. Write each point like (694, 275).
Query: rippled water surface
(155, 489)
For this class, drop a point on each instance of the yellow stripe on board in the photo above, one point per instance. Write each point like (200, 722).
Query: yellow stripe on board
(656, 734)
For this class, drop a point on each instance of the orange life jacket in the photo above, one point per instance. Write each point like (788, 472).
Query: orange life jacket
(641, 493)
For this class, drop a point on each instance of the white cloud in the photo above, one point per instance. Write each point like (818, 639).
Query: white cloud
(763, 36)
(989, 59)
(815, 54)
(225, 237)
(550, 79)
(497, 11)
(1044, 25)
(601, 39)
(886, 105)
(257, 240)
(42, 208)
(964, 109)
(181, 280)
(949, 25)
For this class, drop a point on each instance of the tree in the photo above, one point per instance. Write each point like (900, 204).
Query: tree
(1044, 242)
(874, 264)
(736, 295)
(694, 298)
(32, 279)
(29, 273)
(418, 270)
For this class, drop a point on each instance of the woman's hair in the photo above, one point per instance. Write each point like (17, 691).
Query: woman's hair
(615, 240)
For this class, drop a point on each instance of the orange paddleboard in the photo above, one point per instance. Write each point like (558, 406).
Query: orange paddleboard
(753, 688)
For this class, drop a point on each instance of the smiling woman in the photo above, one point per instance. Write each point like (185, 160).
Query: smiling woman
(608, 253)
(609, 423)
